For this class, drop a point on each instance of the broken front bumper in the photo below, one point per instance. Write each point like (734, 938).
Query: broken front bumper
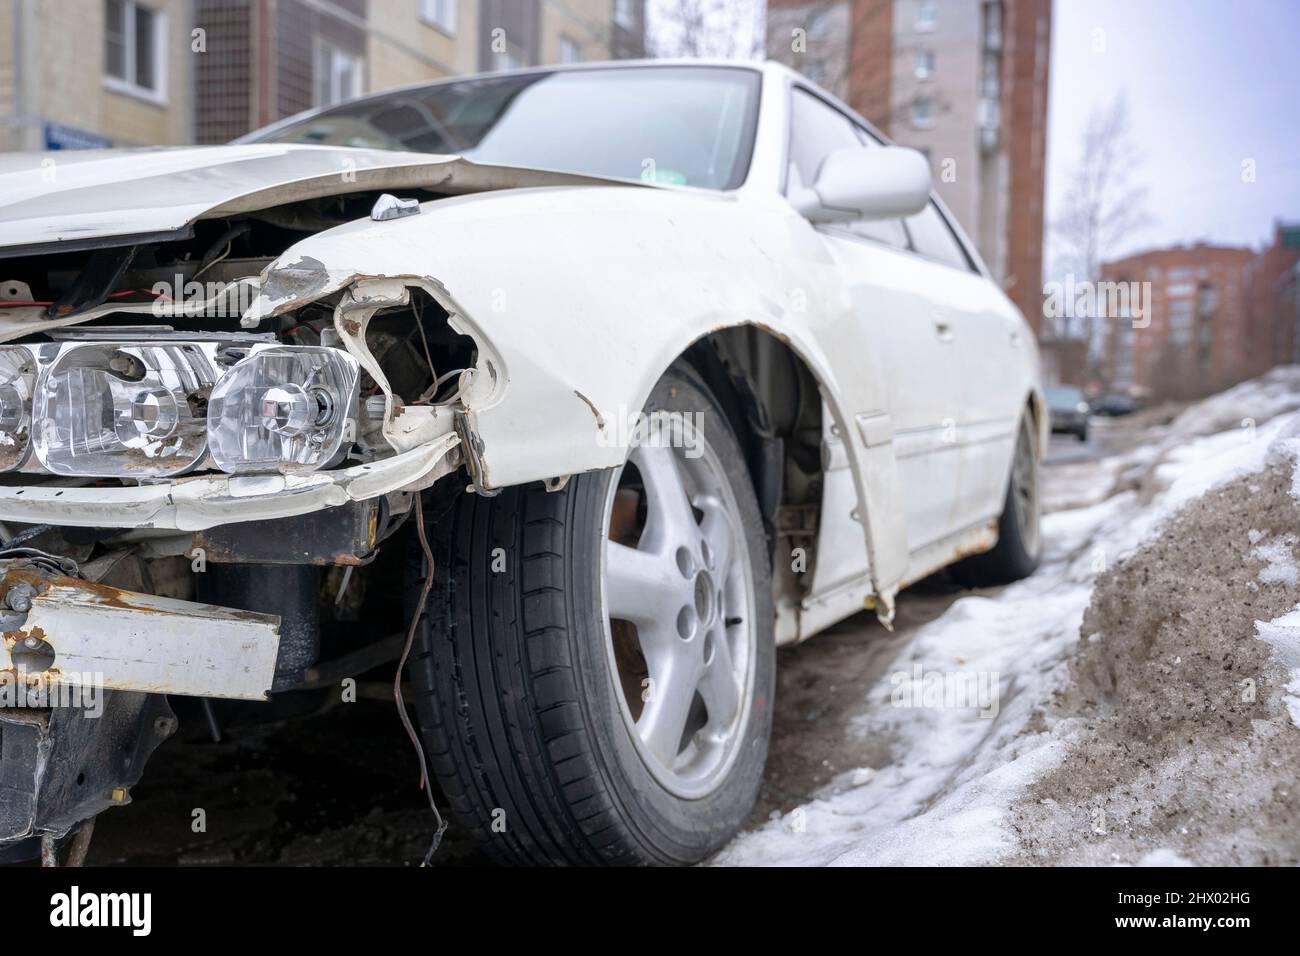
(204, 501)
(83, 672)
(63, 631)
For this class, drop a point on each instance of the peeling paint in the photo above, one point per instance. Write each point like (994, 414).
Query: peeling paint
(600, 419)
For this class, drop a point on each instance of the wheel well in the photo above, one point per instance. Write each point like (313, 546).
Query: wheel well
(772, 403)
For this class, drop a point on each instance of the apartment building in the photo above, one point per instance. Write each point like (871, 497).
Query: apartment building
(1217, 315)
(94, 73)
(965, 82)
(77, 74)
(1270, 306)
(1192, 336)
(299, 54)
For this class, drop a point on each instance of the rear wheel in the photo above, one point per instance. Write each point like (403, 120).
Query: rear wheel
(1019, 546)
(595, 668)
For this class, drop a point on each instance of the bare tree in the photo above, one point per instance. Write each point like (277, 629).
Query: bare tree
(730, 29)
(1103, 203)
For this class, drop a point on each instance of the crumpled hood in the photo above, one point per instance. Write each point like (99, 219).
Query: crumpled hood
(79, 198)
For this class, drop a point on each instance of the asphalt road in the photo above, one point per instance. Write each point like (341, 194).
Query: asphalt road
(332, 783)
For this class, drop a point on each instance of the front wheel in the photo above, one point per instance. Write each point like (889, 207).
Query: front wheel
(595, 667)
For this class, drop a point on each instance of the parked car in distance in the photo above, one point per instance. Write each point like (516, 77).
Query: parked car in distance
(1069, 411)
(1114, 405)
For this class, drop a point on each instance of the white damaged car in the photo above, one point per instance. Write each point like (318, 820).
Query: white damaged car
(577, 391)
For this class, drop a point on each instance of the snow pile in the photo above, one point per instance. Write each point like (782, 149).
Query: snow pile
(971, 780)
(1283, 635)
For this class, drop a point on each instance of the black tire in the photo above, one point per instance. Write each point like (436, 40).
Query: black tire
(513, 685)
(1083, 435)
(1019, 546)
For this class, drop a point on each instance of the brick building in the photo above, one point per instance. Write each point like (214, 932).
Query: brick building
(95, 73)
(1218, 315)
(1270, 303)
(965, 82)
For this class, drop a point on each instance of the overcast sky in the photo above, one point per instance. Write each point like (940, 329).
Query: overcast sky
(1209, 83)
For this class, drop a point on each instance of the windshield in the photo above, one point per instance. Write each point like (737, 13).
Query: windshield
(691, 126)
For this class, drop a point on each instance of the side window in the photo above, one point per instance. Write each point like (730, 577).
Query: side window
(933, 239)
(815, 131)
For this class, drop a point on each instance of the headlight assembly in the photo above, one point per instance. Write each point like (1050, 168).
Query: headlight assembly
(163, 408)
(122, 410)
(283, 409)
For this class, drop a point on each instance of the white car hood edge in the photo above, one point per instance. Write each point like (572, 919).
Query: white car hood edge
(75, 199)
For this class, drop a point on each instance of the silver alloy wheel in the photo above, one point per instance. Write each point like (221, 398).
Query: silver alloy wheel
(687, 587)
(1024, 489)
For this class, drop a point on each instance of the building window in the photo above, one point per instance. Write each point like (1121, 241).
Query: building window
(1180, 322)
(440, 14)
(993, 25)
(923, 112)
(570, 50)
(337, 75)
(924, 68)
(625, 14)
(134, 48)
(927, 15)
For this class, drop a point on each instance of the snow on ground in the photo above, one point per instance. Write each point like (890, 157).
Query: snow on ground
(972, 775)
(1283, 635)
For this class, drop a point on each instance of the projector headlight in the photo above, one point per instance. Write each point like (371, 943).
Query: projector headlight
(283, 409)
(17, 377)
(122, 410)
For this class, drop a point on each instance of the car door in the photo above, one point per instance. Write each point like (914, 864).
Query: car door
(984, 333)
(893, 298)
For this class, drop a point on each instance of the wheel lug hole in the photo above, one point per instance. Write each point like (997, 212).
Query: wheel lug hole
(703, 596)
(686, 563)
(686, 623)
(708, 649)
(707, 554)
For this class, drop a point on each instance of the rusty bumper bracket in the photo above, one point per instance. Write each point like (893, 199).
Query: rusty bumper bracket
(67, 631)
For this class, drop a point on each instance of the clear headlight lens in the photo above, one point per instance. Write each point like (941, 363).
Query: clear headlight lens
(283, 409)
(122, 410)
(17, 378)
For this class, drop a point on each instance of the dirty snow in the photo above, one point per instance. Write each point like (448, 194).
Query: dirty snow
(965, 784)
(1283, 635)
